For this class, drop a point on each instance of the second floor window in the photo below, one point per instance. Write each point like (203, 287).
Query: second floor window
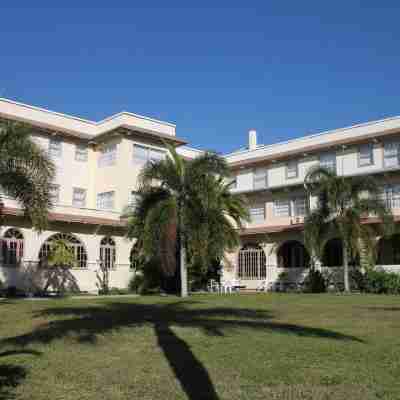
(55, 148)
(79, 197)
(391, 195)
(133, 199)
(105, 201)
(55, 194)
(108, 155)
(292, 169)
(257, 213)
(143, 154)
(81, 152)
(391, 154)
(260, 178)
(365, 155)
(328, 161)
(299, 207)
(282, 208)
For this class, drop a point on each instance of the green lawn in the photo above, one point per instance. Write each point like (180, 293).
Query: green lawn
(208, 347)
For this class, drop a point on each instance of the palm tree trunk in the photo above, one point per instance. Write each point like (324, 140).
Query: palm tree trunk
(346, 267)
(183, 271)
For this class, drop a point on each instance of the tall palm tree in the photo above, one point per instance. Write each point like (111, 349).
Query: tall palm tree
(343, 204)
(26, 172)
(184, 207)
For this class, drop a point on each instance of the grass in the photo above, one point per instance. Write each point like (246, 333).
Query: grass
(208, 347)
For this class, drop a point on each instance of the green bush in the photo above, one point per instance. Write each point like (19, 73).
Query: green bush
(314, 282)
(382, 282)
(148, 279)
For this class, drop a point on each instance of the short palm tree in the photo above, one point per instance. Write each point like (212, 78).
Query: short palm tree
(26, 172)
(184, 208)
(343, 204)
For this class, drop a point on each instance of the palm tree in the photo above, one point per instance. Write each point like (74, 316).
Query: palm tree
(26, 172)
(343, 204)
(189, 211)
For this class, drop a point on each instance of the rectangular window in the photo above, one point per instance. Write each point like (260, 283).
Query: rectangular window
(260, 178)
(55, 194)
(391, 154)
(140, 154)
(156, 155)
(292, 169)
(79, 197)
(328, 161)
(81, 152)
(143, 154)
(282, 208)
(365, 155)
(257, 214)
(391, 195)
(108, 155)
(105, 201)
(133, 199)
(55, 148)
(299, 207)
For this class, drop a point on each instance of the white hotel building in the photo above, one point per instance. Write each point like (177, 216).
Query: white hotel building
(97, 169)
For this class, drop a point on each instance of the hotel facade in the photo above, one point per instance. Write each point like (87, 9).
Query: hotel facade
(98, 164)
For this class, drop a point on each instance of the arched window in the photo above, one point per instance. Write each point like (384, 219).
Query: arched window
(12, 247)
(252, 263)
(74, 243)
(293, 254)
(333, 253)
(107, 253)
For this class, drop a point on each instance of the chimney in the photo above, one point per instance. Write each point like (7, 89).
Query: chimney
(252, 139)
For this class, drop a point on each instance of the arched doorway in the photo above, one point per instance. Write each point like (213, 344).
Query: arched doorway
(293, 254)
(107, 252)
(74, 243)
(252, 262)
(389, 250)
(12, 247)
(333, 253)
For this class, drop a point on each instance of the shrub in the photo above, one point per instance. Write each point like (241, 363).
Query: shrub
(11, 291)
(314, 282)
(382, 282)
(148, 279)
(136, 282)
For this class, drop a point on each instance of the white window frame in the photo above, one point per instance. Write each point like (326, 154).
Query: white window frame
(390, 195)
(133, 199)
(365, 161)
(391, 152)
(292, 169)
(260, 178)
(55, 193)
(76, 201)
(284, 204)
(299, 203)
(104, 203)
(108, 155)
(55, 148)
(328, 161)
(148, 153)
(81, 153)
(257, 213)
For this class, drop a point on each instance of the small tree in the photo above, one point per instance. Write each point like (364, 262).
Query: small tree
(343, 204)
(58, 263)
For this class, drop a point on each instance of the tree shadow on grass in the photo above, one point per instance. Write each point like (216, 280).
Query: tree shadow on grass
(12, 375)
(86, 322)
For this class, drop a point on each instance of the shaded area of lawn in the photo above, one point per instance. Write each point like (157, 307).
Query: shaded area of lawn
(89, 322)
(63, 323)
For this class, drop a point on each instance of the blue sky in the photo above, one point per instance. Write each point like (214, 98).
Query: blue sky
(285, 68)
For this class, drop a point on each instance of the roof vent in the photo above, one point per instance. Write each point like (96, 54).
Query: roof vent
(252, 139)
